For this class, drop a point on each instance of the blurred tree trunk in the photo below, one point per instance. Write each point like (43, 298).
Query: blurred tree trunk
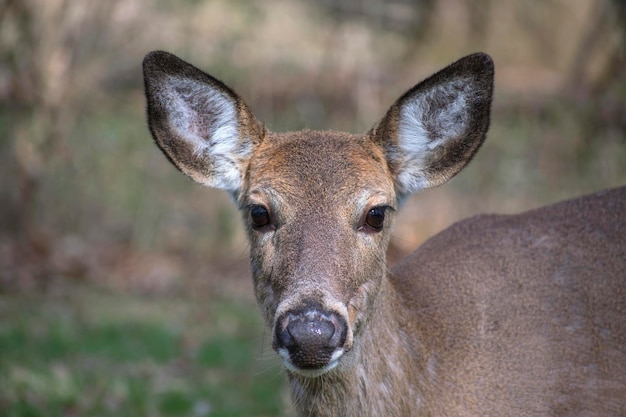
(598, 90)
(41, 48)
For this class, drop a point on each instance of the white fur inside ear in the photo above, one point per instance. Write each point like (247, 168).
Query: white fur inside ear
(427, 121)
(206, 118)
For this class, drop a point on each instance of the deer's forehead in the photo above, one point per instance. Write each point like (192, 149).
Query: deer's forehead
(320, 166)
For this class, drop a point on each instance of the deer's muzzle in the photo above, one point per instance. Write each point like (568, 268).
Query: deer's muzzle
(310, 340)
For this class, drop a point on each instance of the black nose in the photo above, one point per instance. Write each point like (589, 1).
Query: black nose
(310, 336)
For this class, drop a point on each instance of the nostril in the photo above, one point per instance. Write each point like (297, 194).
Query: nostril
(339, 335)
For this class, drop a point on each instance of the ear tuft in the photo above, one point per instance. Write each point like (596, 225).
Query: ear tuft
(436, 127)
(200, 124)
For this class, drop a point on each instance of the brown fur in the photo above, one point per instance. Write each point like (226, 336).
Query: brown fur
(496, 316)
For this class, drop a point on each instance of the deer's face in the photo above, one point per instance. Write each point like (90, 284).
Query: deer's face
(318, 208)
(318, 205)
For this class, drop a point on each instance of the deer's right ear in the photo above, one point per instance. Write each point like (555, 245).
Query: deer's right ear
(201, 125)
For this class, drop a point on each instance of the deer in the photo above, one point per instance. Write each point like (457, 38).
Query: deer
(498, 315)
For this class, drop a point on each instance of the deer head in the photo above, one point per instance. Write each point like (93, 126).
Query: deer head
(318, 206)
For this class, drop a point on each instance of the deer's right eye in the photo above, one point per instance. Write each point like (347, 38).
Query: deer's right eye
(260, 217)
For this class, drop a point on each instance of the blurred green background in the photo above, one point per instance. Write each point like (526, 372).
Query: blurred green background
(124, 287)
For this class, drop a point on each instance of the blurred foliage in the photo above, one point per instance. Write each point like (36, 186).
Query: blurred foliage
(81, 176)
(85, 196)
(69, 355)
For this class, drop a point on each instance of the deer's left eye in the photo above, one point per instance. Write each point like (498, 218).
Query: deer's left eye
(375, 219)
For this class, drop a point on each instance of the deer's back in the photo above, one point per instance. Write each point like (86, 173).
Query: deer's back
(523, 314)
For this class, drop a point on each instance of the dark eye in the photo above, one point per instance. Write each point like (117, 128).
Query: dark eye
(260, 216)
(375, 218)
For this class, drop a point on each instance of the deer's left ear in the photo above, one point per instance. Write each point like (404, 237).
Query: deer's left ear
(436, 127)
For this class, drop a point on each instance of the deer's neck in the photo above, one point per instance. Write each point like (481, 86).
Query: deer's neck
(377, 378)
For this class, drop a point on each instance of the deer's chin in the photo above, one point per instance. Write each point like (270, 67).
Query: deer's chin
(311, 372)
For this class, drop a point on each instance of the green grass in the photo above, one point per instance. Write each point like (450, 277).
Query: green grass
(93, 353)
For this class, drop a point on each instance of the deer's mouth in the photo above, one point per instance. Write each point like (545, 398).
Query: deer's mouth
(310, 372)
(310, 340)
